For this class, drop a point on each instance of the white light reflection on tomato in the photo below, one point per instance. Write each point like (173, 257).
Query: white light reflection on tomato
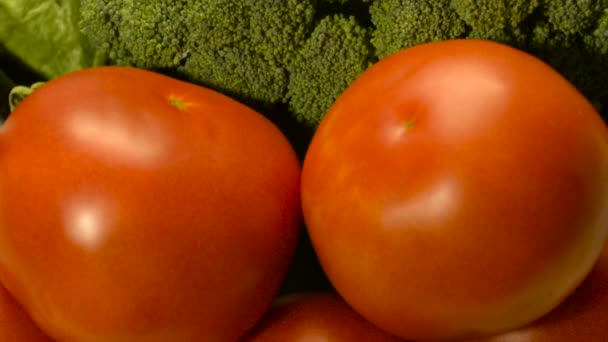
(433, 207)
(87, 222)
(121, 138)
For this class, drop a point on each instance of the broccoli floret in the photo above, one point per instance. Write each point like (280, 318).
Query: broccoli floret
(145, 36)
(494, 19)
(237, 71)
(152, 41)
(489, 15)
(598, 39)
(404, 23)
(240, 47)
(279, 27)
(304, 53)
(270, 52)
(100, 21)
(573, 16)
(243, 47)
(336, 53)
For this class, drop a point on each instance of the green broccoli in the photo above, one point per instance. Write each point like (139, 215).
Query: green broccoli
(598, 39)
(573, 16)
(102, 20)
(250, 49)
(149, 40)
(501, 20)
(337, 52)
(243, 47)
(297, 56)
(498, 14)
(401, 24)
(240, 47)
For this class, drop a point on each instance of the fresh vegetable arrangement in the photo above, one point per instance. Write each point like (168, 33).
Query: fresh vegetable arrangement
(337, 170)
(280, 51)
(272, 54)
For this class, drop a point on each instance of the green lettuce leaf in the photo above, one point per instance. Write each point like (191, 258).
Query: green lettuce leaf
(44, 35)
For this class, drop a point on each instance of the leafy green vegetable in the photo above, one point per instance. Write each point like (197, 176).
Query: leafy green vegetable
(44, 35)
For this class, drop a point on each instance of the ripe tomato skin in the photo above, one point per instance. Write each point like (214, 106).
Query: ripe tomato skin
(15, 324)
(135, 207)
(315, 316)
(581, 317)
(457, 189)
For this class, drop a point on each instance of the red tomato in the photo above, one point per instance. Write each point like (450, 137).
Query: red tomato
(457, 189)
(135, 207)
(313, 317)
(581, 317)
(15, 324)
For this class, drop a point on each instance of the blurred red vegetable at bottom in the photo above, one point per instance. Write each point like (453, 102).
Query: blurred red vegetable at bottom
(15, 324)
(315, 316)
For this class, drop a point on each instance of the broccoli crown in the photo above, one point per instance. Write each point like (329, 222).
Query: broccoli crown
(260, 52)
(151, 41)
(241, 47)
(573, 16)
(299, 55)
(100, 23)
(336, 53)
(490, 15)
(497, 20)
(598, 39)
(404, 23)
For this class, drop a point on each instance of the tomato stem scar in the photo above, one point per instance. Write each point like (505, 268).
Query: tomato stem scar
(409, 124)
(176, 103)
